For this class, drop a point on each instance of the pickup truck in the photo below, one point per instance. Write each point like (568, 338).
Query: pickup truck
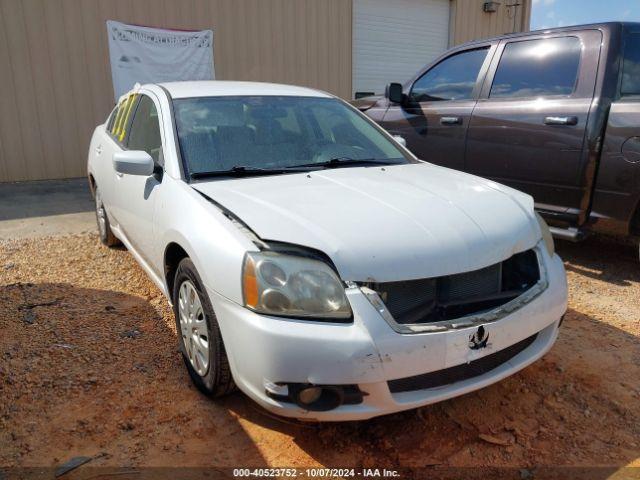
(554, 113)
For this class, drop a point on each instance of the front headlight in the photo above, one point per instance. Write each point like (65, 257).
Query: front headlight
(280, 284)
(546, 235)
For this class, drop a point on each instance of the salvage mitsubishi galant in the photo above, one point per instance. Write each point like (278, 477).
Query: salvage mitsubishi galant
(312, 260)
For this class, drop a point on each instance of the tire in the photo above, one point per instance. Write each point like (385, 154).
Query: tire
(197, 327)
(104, 227)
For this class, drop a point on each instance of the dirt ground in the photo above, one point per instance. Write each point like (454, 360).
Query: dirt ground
(89, 366)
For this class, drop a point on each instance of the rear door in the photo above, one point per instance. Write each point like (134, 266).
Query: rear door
(528, 127)
(100, 151)
(436, 115)
(616, 197)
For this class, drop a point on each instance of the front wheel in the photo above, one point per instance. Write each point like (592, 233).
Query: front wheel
(199, 336)
(104, 228)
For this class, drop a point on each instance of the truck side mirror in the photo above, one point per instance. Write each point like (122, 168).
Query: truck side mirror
(401, 140)
(394, 93)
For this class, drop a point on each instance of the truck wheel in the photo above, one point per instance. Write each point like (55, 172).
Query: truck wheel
(104, 228)
(199, 336)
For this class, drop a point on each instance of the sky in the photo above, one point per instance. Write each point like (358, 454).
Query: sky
(560, 13)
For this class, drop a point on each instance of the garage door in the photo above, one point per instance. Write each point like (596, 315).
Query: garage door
(392, 40)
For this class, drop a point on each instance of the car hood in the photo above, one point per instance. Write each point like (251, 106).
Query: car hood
(385, 224)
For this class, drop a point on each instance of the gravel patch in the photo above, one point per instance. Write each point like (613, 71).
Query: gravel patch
(89, 367)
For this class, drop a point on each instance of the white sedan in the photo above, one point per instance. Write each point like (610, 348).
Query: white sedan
(312, 260)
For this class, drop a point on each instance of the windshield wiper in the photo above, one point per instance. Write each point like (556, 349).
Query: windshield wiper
(344, 161)
(244, 171)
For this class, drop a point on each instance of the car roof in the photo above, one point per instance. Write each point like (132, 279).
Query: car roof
(220, 88)
(590, 26)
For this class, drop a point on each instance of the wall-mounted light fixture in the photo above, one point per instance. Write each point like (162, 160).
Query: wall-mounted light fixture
(490, 7)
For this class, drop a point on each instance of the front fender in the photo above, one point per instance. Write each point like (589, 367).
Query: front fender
(212, 241)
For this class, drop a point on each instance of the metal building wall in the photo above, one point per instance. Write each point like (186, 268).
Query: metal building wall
(55, 78)
(468, 20)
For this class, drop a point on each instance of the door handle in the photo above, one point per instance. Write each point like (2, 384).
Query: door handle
(561, 120)
(450, 121)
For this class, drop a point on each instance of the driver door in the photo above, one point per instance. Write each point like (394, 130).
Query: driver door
(435, 116)
(136, 195)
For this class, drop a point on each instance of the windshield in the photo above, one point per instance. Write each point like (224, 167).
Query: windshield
(273, 132)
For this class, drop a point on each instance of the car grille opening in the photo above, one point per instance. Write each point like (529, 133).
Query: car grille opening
(459, 373)
(450, 297)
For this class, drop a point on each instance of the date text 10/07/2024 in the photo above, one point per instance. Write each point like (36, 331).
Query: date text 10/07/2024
(316, 472)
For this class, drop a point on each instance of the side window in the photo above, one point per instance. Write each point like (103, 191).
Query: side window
(144, 133)
(116, 118)
(631, 65)
(537, 68)
(452, 79)
(112, 118)
(121, 120)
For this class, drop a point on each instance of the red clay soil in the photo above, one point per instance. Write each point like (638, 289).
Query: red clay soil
(89, 366)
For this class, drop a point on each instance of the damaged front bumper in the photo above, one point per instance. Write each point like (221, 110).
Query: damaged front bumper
(387, 366)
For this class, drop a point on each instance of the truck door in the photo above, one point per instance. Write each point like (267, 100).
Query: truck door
(435, 116)
(528, 127)
(616, 197)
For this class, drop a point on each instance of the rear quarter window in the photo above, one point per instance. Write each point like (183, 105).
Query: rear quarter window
(538, 68)
(630, 84)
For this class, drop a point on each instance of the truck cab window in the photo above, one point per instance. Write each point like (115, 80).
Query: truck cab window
(631, 65)
(454, 78)
(538, 68)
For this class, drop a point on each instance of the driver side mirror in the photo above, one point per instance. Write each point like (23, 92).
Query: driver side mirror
(394, 93)
(133, 162)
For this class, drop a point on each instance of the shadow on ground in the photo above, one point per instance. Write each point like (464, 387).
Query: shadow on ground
(603, 259)
(93, 371)
(97, 373)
